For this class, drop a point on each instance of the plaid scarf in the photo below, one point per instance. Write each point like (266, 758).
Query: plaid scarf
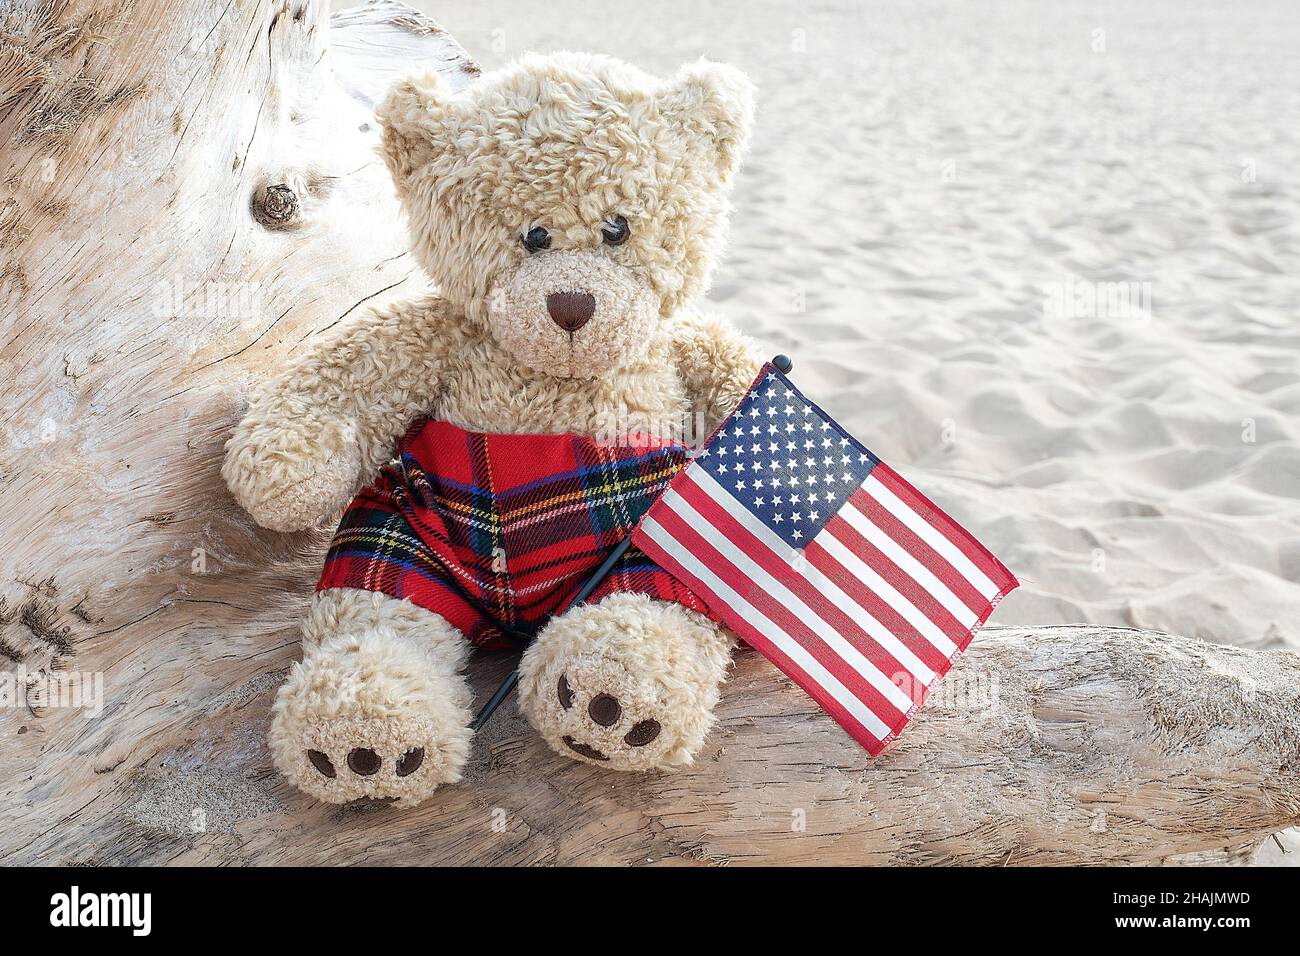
(496, 532)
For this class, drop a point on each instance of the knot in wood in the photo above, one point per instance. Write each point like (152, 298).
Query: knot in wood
(277, 206)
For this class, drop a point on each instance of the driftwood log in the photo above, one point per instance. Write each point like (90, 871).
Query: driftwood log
(190, 192)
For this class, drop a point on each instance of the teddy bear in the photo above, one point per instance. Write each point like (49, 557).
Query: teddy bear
(490, 441)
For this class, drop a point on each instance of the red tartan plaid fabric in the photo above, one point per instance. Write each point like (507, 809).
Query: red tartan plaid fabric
(497, 532)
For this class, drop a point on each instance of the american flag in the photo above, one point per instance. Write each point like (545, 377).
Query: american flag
(822, 558)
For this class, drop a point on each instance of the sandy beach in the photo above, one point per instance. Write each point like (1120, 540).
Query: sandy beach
(1043, 259)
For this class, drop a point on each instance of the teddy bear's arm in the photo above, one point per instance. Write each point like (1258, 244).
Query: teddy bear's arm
(716, 363)
(324, 426)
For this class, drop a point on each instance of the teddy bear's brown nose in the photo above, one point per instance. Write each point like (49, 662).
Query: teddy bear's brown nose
(571, 310)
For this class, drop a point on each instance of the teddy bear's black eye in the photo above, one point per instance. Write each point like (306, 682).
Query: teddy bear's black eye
(616, 231)
(537, 239)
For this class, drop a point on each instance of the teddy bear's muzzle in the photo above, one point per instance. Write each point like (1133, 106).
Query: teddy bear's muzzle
(572, 312)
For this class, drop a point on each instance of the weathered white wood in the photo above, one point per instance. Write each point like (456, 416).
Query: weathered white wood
(189, 191)
(377, 44)
(1063, 745)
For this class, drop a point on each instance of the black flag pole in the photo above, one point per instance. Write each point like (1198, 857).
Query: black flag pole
(508, 686)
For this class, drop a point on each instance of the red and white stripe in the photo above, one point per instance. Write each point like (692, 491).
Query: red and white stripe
(866, 618)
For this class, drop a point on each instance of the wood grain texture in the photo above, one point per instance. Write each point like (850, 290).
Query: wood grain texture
(1063, 745)
(189, 191)
(163, 159)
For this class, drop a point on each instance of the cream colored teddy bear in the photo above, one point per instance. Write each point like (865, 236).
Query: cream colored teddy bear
(570, 209)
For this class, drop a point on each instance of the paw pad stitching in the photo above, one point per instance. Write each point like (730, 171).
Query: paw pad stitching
(604, 710)
(364, 762)
(322, 763)
(642, 733)
(564, 692)
(410, 762)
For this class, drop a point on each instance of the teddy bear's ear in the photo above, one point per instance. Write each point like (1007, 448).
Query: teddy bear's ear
(714, 102)
(412, 116)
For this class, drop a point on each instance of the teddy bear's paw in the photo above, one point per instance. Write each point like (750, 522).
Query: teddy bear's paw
(306, 501)
(400, 757)
(376, 708)
(290, 475)
(627, 684)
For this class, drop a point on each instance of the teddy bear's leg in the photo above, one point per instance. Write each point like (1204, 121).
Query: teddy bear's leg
(628, 683)
(377, 706)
